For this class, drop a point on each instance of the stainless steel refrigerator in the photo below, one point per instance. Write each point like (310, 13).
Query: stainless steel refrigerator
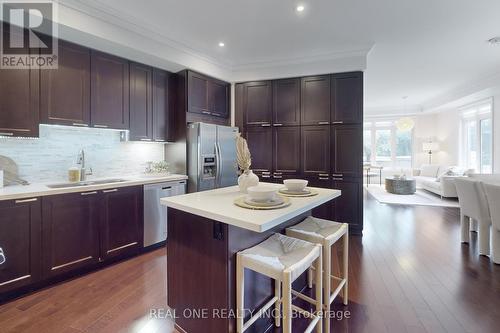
(211, 156)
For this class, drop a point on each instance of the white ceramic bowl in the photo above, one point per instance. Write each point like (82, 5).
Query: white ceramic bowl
(295, 185)
(261, 193)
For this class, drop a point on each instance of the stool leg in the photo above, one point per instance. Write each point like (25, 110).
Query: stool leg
(319, 291)
(484, 238)
(277, 312)
(345, 294)
(464, 228)
(287, 303)
(310, 278)
(240, 292)
(327, 272)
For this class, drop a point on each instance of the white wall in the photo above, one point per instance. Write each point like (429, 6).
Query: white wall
(47, 159)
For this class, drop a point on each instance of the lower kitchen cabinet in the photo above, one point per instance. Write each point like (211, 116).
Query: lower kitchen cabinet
(122, 223)
(20, 243)
(325, 210)
(348, 208)
(70, 232)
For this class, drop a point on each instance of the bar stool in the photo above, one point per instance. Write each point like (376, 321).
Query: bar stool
(326, 233)
(283, 259)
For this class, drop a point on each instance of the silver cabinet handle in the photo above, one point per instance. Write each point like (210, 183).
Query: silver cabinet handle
(324, 175)
(278, 177)
(2, 257)
(265, 125)
(205, 112)
(101, 126)
(278, 173)
(266, 176)
(323, 178)
(159, 140)
(6, 134)
(80, 124)
(26, 200)
(278, 125)
(110, 191)
(145, 139)
(88, 193)
(337, 175)
(337, 122)
(334, 178)
(323, 123)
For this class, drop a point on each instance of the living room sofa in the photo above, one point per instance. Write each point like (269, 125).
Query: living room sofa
(439, 179)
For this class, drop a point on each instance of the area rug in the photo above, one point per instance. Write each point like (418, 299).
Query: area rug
(420, 198)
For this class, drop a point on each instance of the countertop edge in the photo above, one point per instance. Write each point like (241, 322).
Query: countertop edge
(42, 190)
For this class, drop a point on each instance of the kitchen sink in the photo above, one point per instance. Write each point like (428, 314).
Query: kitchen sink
(87, 183)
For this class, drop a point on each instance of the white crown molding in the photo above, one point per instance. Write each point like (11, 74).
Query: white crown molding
(390, 111)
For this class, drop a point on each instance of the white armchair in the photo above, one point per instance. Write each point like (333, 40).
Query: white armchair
(493, 196)
(473, 205)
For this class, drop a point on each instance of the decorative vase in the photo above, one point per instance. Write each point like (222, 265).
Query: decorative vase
(247, 179)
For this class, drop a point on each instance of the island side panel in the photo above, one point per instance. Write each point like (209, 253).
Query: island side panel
(197, 272)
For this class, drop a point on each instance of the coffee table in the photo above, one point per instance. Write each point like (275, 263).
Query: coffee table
(400, 186)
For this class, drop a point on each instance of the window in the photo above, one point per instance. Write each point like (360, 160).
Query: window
(477, 137)
(385, 145)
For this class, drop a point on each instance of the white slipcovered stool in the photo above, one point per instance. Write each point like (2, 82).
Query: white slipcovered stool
(326, 233)
(283, 259)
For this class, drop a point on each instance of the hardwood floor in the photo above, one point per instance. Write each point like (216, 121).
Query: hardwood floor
(409, 273)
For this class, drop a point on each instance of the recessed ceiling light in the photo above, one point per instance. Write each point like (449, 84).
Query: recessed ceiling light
(221, 44)
(300, 8)
(494, 41)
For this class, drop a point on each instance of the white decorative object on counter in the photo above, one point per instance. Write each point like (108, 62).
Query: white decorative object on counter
(247, 179)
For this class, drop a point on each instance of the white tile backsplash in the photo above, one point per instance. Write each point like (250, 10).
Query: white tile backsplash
(48, 158)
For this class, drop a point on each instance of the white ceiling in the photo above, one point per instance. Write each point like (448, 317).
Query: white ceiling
(421, 49)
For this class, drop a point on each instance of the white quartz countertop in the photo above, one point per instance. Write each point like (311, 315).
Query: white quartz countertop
(219, 205)
(41, 189)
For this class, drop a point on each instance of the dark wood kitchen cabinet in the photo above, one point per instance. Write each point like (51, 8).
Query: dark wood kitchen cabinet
(286, 150)
(207, 95)
(315, 150)
(347, 151)
(20, 243)
(70, 232)
(109, 91)
(286, 102)
(258, 103)
(260, 145)
(218, 98)
(65, 91)
(122, 221)
(19, 101)
(315, 100)
(347, 98)
(348, 208)
(161, 109)
(325, 210)
(141, 102)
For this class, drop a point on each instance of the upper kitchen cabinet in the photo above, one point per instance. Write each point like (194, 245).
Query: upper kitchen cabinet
(347, 151)
(315, 100)
(141, 102)
(20, 242)
(286, 102)
(19, 102)
(347, 98)
(258, 103)
(161, 109)
(260, 145)
(315, 150)
(65, 91)
(207, 95)
(109, 91)
(286, 150)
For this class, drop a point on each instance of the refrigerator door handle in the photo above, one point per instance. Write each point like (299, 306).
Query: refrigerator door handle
(217, 165)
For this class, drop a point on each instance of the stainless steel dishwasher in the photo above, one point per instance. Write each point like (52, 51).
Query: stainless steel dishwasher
(155, 215)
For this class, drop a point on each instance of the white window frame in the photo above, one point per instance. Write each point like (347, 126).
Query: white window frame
(471, 113)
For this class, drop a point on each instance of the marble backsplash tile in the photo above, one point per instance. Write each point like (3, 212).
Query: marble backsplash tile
(48, 158)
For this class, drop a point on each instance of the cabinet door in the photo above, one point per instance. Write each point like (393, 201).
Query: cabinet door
(65, 91)
(19, 101)
(70, 232)
(286, 107)
(325, 210)
(110, 91)
(197, 93)
(316, 150)
(20, 243)
(257, 102)
(260, 145)
(141, 100)
(347, 151)
(286, 150)
(122, 221)
(347, 98)
(348, 208)
(315, 100)
(218, 94)
(161, 112)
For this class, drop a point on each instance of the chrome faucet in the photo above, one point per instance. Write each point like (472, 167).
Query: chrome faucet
(80, 160)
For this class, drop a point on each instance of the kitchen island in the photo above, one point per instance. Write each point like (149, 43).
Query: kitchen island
(205, 231)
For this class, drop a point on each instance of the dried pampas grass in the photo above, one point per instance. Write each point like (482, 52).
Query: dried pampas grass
(243, 155)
